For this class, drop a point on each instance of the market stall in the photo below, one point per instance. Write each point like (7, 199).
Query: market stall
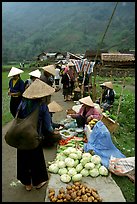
(77, 169)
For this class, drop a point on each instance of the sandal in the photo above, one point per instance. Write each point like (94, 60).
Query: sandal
(41, 185)
(28, 187)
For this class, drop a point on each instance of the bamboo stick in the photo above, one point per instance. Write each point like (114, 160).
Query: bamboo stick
(120, 99)
(82, 87)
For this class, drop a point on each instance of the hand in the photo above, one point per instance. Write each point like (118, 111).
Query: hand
(61, 127)
(55, 132)
(89, 118)
(9, 93)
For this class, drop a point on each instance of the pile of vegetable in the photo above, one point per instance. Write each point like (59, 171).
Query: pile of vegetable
(77, 192)
(110, 115)
(92, 122)
(71, 164)
(71, 142)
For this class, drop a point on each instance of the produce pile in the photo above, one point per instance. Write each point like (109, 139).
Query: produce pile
(110, 115)
(77, 192)
(92, 123)
(71, 142)
(72, 164)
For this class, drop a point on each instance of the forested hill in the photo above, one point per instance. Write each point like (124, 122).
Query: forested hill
(29, 28)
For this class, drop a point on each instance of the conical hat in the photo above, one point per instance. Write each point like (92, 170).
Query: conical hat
(35, 73)
(70, 64)
(108, 84)
(50, 69)
(77, 89)
(38, 89)
(14, 71)
(54, 107)
(87, 101)
(63, 66)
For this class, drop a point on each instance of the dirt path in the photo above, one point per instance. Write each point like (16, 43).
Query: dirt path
(12, 191)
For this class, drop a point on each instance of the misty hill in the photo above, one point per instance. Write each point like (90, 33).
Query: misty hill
(29, 28)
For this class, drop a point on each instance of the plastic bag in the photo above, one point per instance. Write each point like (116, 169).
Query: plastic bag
(123, 167)
(101, 144)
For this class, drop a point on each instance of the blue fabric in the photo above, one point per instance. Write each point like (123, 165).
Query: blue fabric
(19, 86)
(100, 142)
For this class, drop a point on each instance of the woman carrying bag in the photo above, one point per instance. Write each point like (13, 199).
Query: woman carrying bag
(31, 167)
(16, 88)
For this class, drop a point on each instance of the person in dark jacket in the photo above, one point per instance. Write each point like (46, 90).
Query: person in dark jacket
(31, 167)
(108, 95)
(16, 88)
(54, 107)
(66, 81)
(48, 77)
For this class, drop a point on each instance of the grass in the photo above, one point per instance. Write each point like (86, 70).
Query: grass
(123, 138)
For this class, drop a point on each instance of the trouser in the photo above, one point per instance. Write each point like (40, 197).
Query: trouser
(31, 166)
(14, 103)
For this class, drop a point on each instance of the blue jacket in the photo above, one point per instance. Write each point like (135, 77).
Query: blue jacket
(19, 86)
(44, 120)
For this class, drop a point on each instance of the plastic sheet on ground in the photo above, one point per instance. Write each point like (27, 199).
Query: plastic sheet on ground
(107, 188)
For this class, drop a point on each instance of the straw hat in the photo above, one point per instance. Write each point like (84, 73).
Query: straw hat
(77, 89)
(50, 69)
(54, 107)
(14, 71)
(107, 84)
(38, 89)
(70, 64)
(87, 101)
(63, 66)
(35, 73)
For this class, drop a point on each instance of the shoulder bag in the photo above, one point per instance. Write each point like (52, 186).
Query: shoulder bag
(22, 134)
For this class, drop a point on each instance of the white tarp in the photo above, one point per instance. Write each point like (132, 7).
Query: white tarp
(106, 187)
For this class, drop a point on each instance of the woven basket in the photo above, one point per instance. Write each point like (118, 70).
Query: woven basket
(109, 123)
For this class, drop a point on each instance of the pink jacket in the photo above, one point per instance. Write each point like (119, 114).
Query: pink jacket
(90, 111)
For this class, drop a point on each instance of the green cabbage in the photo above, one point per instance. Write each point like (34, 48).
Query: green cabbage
(84, 172)
(62, 171)
(69, 162)
(72, 172)
(96, 159)
(79, 167)
(53, 168)
(77, 177)
(89, 166)
(73, 156)
(103, 171)
(61, 164)
(94, 172)
(65, 178)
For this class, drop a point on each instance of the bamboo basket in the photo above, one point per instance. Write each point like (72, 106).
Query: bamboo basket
(109, 123)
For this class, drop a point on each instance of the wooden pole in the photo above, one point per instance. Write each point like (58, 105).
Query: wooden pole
(82, 87)
(120, 99)
(94, 86)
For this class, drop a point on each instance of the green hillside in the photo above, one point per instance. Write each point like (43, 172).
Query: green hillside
(29, 28)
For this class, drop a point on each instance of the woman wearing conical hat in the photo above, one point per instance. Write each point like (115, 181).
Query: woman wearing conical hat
(54, 107)
(108, 95)
(86, 113)
(16, 88)
(33, 75)
(31, 167)
(48, 74)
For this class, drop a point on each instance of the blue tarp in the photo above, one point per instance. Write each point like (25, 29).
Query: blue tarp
(100, 142)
